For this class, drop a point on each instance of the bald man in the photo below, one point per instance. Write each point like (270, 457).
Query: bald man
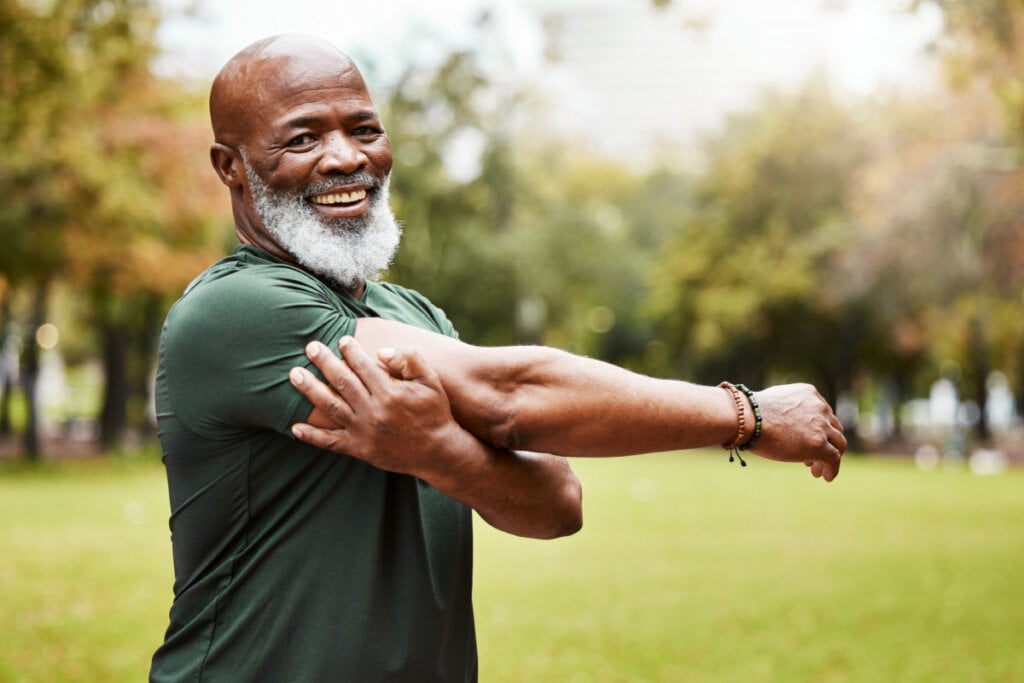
(321, 508)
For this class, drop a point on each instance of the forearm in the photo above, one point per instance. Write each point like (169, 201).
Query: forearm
(560, 403)
(577, 406)
(526, 494)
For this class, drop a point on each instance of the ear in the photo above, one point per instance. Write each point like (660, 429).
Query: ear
(227, 162)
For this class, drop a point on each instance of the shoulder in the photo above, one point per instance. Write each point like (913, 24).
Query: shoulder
(234, 278)
(235, 293)
(402, 304)
(228, 343)
(238, 317)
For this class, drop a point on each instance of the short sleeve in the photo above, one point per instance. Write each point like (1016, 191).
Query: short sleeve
(409, 306)
(228, 346)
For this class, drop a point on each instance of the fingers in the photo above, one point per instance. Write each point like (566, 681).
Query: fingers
(827, 455)
(338, 373)
(408, 365)
(817, 468)
(836, 444)
(824, 469)
(335, 440)
(834, 447)
(342, 397)
(838, 439)
(361, 365)
(829, 469)
(338, 410)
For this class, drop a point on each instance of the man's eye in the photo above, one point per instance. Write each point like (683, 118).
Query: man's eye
(301, 140)
(367, 131)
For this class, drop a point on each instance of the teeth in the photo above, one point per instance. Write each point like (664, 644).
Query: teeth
(340, 197)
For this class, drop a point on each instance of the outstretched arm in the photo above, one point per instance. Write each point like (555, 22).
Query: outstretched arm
(542, 399)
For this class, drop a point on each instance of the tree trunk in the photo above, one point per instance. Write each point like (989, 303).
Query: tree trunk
(977, 356)
(113, 417)
(30, 374)
(7, 372)
(6, 389)
(147, 341)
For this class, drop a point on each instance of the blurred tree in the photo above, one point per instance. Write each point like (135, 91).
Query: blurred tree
(983, 45)
(7, 369)
(159, 222)
(747, 287)
(32, 113)
(912, 202)
(983, 41)
(453, 185)
(940, 208)
(581, 255)
(99, 192)
(519, 238)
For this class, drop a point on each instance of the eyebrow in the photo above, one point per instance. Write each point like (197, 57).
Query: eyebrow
(306, 121)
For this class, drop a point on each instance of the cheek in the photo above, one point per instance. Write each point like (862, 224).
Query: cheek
(381, 157)
(289, 175)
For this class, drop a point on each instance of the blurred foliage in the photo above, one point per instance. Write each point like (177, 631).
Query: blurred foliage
(98, 167)
(751, 269)
(870, 246)
(455, 229)
(511, 256)
(983, 42)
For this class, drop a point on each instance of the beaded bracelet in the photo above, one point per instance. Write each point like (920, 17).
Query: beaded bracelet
(757, 418)
(734, 446)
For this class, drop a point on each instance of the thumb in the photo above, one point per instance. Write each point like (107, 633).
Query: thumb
(405, 364)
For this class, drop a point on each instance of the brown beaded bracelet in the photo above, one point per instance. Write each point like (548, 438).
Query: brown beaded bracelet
(757, 418)
(734, 446)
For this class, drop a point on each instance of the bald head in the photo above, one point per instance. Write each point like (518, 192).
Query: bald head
(264, 72)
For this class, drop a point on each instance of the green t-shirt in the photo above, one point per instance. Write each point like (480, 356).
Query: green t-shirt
(292, 563)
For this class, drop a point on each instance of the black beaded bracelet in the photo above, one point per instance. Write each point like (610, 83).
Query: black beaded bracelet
(757, 418)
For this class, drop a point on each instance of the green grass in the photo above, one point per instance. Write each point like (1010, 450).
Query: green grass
(688, 569)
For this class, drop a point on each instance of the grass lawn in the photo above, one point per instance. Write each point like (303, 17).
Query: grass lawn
(688, 569)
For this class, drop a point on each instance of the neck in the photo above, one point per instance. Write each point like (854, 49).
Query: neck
(274, 249)
(357, 290)
(269, 246)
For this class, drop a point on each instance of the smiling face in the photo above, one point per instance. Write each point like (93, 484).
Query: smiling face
(302, 148)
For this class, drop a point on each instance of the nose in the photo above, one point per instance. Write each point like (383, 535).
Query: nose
(341, 154)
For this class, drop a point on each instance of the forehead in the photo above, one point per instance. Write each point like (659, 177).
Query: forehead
(292, 89)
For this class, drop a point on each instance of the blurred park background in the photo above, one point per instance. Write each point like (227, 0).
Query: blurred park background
(803, 190)
(818, 191)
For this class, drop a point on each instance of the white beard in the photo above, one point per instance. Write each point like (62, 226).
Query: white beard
(345, 251)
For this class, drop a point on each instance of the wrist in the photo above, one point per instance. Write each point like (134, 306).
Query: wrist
(748, 420)
(451, 457)
(740, 406)
(756, 423)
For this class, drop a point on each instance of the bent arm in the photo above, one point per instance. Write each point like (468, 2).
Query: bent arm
(398, 418)
(535, 495)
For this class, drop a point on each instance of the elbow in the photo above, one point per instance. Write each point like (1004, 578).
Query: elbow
(570, 518)
(504, 432)
(519, 403)
(572, 524)
(556, 514)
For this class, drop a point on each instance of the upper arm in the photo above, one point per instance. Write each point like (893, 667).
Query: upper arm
(227, 349)
(480, 382)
